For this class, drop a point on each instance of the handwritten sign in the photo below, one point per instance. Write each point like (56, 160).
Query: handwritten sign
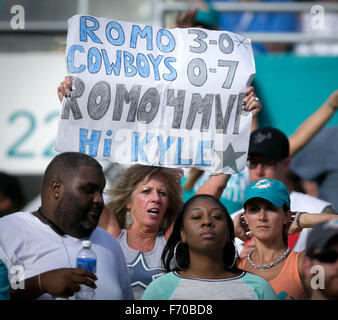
(164, 97)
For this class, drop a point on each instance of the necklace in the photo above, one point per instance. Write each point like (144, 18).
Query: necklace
(270, 265)
(50, 223)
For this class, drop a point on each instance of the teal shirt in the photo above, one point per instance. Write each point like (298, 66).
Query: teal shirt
(246, 286)
(4, 283)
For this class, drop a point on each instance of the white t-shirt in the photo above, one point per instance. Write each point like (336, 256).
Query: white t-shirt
(299, 202)
(304, 202)
(28, 242)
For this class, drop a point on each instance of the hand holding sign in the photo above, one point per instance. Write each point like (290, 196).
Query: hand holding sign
(157, 96)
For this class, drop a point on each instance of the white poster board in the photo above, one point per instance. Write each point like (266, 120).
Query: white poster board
(164, 97)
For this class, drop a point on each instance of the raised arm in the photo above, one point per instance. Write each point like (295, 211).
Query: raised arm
(186, 19)
(313, 124)
(308, 220)
(214, 185)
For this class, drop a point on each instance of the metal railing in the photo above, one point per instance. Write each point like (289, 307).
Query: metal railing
(251, 6)
(162, 8)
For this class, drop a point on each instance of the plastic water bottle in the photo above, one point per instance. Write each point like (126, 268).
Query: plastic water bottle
(86, 259)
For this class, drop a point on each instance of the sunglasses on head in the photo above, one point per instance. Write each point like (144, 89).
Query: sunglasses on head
(328, 256)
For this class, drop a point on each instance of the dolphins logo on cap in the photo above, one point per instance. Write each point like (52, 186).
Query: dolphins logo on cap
(262, 184)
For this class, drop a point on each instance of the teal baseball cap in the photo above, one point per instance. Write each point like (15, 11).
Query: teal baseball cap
(271, 190)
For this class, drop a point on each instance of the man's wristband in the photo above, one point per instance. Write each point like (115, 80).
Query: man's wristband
(298, 220)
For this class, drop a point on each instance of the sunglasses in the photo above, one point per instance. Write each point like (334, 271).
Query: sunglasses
(266, 164)
(329, 256)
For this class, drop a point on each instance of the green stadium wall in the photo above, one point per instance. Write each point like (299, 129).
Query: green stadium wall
(291, 88)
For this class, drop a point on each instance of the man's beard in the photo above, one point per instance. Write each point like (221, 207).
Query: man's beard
(70, 222)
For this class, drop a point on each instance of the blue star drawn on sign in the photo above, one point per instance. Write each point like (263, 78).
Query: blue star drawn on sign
(228, 158)
(241, 41)
(140, 274)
